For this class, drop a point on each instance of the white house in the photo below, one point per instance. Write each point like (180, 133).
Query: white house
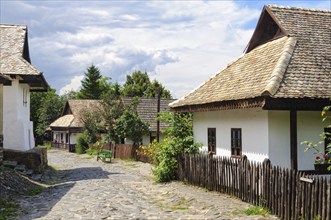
(269, 100)
(20, 78)
(66, 129)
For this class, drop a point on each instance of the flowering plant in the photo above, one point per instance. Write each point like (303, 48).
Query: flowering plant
(323, 157)
(326, 159)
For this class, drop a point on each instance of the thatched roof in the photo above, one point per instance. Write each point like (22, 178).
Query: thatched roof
(288, 57)
(15, 58)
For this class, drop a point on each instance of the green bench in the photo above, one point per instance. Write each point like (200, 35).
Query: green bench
(104, 154)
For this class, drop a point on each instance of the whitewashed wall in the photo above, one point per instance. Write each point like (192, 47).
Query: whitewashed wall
(57, 137)
(146, 140)
(1, 109)
(279, 138)
(18, 129)
(310, 126)
(265, 134)
(254, 125)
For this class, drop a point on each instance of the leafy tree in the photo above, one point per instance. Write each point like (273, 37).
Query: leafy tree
(93, 125)
(112, 109)
(152, 91)
(91, 86)
(179, 139)
(71, 95)
(45, 108)
(136, 84)
(129, 125)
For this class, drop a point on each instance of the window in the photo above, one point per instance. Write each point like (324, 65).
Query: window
(212, 140)
(327, 140)
(236, 142)
(25, 97)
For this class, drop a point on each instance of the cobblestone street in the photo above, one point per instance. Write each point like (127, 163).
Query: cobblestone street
(82, 188)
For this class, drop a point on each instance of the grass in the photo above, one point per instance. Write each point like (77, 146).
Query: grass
(131, 165)
(53, 167)
(8, 209)
(92, 152)
(254, 210)
(48, 146)
(181, 204)
(33, 192)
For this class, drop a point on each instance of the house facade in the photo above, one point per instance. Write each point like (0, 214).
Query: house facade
(20, 78)
(265, 103)
(67, 128)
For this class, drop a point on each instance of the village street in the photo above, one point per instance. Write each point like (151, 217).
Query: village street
(82, 188)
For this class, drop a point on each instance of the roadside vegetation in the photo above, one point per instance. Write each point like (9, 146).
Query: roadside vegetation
(254, 210)
(178, 139)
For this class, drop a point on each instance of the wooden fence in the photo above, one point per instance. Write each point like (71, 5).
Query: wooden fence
(286, 193)
(128, 151)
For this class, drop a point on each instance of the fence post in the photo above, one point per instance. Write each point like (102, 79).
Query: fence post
(266, 180)
(1, 149)
(243, 165)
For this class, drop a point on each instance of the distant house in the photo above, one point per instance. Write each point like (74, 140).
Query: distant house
(265, 103)
(66, 128)
(18, 78)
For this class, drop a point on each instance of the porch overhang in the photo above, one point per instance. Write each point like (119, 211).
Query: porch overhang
(70, 129)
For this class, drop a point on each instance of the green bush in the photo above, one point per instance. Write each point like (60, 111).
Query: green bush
(82, 144)
(179, 139)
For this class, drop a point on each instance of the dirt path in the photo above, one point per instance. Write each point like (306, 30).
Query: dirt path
(82, 188)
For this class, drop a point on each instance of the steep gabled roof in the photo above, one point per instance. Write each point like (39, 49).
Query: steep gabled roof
(147, 110)
(287, 57)
(75, 109)
(15, 58)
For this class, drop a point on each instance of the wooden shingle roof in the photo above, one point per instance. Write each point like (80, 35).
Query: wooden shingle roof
(75, 109)
(15, 58)
(292, 61)
(147, 110)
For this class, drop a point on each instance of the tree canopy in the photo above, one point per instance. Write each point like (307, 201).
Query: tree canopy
(139, 85)
(152, 90)
(136, 84)
(92, 84)
(45, 108)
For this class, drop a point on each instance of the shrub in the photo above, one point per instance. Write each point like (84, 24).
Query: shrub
(150, 151)
(179, 139)
(82, 144)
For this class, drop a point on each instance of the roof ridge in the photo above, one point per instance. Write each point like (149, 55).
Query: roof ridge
(298, 8)
(280, 68)
(13, 25)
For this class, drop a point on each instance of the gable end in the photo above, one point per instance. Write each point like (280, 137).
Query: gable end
(266, 30)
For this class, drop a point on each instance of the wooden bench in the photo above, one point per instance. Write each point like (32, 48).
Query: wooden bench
(104, 154)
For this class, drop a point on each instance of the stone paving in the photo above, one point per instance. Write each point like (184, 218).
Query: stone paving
(79, 187)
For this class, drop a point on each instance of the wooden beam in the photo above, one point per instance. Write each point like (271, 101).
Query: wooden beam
(293, 140)
(158, 111)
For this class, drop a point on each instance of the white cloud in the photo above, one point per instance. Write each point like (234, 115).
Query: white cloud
(180, 43)
(176, 42)
(74, 85)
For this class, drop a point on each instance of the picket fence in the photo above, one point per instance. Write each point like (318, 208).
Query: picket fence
(288, 194)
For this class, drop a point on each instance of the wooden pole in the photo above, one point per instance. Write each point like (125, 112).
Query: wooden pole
(158, 110)
(294, 139)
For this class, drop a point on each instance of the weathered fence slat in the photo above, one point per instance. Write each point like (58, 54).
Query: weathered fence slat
(287, 193)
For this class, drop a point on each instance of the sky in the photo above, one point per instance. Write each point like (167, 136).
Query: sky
(179, 43)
